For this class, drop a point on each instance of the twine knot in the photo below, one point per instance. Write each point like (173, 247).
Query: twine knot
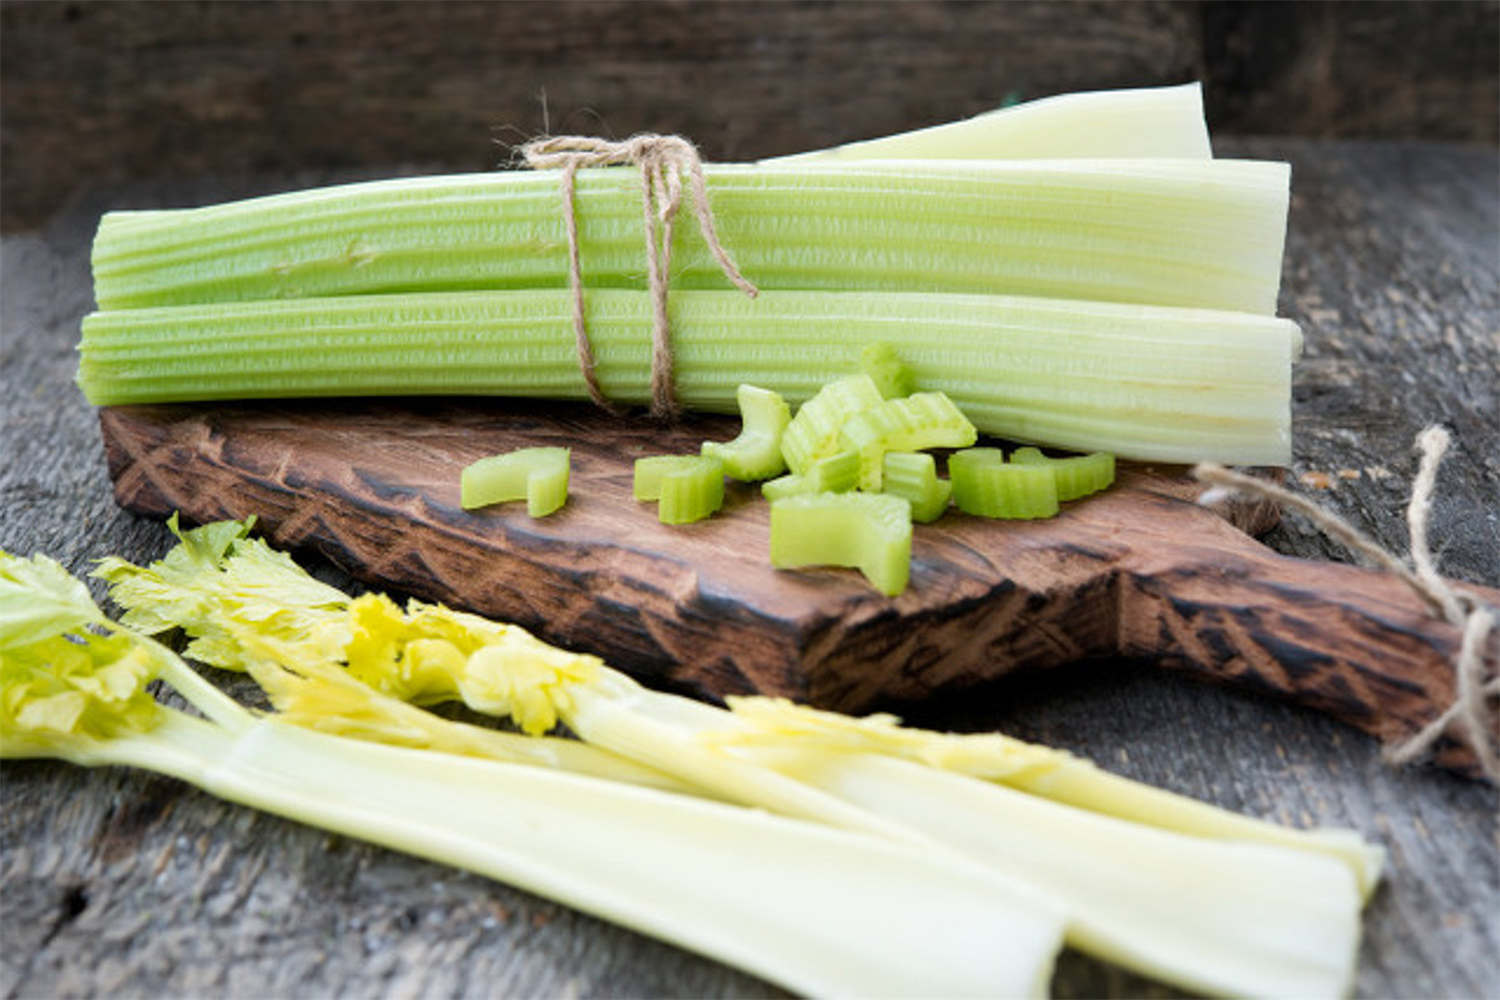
(1476, 621)
(664, 161)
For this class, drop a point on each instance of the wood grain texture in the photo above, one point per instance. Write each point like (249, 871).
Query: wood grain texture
(112, 92)
(117, 882)
(1138, 571)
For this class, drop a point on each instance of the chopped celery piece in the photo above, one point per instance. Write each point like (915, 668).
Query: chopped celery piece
(1159, 384)
(814, 431)
(1148, 121)
(987, 485)
(837, 473)
(922, 420)
(756, 452)
(1077, 475)
(913, 475)
(687, 488)
(539, 475)
(1196, 233)
(870, 531)
(891, 375)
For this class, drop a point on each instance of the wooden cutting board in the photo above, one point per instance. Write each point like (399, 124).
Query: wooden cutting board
(1139, 571)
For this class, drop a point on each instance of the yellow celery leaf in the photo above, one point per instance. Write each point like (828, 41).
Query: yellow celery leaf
(90, 685)
(39, 598)
(526, 679)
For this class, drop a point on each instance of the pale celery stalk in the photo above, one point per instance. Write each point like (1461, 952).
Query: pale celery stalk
(1192, 233)
(1144, 122)
(537, 475)
(755, 453)
(822, 911)
(1141, 382)
(1277, 916)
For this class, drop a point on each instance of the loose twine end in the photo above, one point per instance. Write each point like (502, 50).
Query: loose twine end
(664, 161)
(1469, 717)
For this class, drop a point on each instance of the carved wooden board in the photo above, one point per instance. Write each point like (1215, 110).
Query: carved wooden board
(1139, 571)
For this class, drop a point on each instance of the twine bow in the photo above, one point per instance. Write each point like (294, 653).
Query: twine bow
(1475, 620)
(663, 161)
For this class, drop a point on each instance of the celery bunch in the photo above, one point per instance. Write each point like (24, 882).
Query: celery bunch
(1207, 900)
(830, 912)
(1049, 296)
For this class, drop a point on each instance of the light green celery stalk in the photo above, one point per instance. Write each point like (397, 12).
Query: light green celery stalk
(1257, 910)
(1141, 382)
(822, 911)
(1144, 122)
(1191, 233)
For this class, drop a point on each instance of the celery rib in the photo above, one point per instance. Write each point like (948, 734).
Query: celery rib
(1142, 382)
(1187, 233)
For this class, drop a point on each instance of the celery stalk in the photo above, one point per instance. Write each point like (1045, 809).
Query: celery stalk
(1192, 233)
(1140, 382)
(825, 911)
(869, 531)
(1276, 913)
(755, 453)
(1146, 122)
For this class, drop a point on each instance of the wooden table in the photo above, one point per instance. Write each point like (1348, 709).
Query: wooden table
(121, 882)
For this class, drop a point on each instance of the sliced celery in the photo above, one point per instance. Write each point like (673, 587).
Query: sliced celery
(871, 531)
(1202, 233)
(890, 374)
(1077, 475)
(1150, 121)
(836, 473)
(913, 475)
(538, 475)
(687, 488)
(756, 452)
(922, 420)
(814, 431)
(1172, 385)
(985, 484)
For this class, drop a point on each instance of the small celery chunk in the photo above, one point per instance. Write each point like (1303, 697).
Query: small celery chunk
(756, 453)
(687, 488)
(870, 531)
(539, 475)
(913, 475)
(814, 431)
(921, 420)
(837, 473)
(1077, 475)
(987, 485)
(890, 374)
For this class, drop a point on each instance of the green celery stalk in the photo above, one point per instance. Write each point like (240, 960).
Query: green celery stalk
(1192, 233)
(869, 531)
(755, 453)
(1147, 122)
(1141, 382)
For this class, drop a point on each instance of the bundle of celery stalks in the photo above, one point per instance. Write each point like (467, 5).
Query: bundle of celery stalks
(1076, 272)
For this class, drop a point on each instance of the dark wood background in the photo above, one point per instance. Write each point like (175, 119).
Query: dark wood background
(111, 92)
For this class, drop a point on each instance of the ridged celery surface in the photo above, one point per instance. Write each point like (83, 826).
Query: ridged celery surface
(1076, 475)
(913, 475)
(1202, 898)
(826, 912)
(1195, 233)
(1146, 122)
(984, 483)
(1141, 382)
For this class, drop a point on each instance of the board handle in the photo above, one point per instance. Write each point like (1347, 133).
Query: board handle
(1355, 643)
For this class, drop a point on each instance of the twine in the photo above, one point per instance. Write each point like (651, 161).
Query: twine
(1476, 621)
(663, 160)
